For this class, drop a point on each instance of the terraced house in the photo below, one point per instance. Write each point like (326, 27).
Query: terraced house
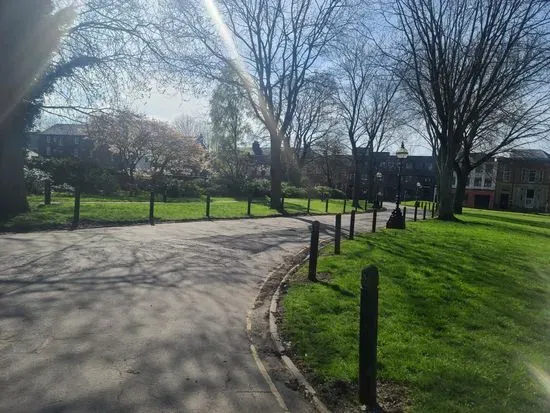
(523, 181)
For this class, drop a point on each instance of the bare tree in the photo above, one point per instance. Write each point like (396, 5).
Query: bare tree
(196, 127)
(355, 73)
(69, 55)
(315, 116)
(273, 45)
(475, 70)
(382, 119)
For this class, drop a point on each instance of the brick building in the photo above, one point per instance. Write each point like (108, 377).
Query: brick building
(480, 189)
(523, 181)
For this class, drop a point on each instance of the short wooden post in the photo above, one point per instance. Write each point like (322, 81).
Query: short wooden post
(326, 205)
(208, 206)
(152, 208)
(345, 202)
(368, 336)
(433, 209)
(249, 206)
(352, 225)
(283, 202)
(165, 195)
(47, 192)
(308, 203)
(374, 220)
(337, 233)
(366, 204)
(415, 211)
(424, 213)
(76, 212)
(313, 251)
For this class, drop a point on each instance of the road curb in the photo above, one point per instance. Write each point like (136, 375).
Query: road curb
(274, 332)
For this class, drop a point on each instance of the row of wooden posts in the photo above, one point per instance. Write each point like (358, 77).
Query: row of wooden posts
(368, 311)
(76, 216)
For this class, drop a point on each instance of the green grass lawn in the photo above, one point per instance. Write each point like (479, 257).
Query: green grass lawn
(109, 210)
(464, 313)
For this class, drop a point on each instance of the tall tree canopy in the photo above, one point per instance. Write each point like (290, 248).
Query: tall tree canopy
(476, 71)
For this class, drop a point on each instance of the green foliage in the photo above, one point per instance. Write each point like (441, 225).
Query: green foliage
(259, 187)
(463, 312)
(291, 191)
(84, 174)
(324, 191)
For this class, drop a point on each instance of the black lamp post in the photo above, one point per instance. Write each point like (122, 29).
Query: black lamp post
(397, 220)
(378, 203)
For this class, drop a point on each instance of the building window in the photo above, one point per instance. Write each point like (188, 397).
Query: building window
(506, 174)
(532, 176)
(488, 183)
(477, 182)
(48, 139)
(77, 140)
(48, 150)
(454, 180)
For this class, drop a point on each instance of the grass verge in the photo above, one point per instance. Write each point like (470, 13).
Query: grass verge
(105, 210)
(464, 314)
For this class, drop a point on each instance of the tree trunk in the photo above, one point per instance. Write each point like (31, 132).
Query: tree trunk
(356, 179)
(13, 197)
(275, 171)
(461, 181)
(445, 185)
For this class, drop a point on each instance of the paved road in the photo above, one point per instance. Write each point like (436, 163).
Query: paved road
(139, 319)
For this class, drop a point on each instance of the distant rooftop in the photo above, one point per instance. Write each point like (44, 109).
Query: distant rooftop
(71, 129)
(531, 154)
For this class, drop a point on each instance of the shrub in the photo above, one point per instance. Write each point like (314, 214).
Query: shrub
(333, 193)
(291, 191)
(34, 180)
(259, 187)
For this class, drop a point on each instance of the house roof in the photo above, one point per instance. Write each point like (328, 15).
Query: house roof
(530, 154)
(71, 129)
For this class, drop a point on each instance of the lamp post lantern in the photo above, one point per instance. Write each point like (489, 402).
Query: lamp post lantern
(396, 219)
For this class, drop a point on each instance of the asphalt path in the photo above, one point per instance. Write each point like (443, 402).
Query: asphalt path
(142, 318)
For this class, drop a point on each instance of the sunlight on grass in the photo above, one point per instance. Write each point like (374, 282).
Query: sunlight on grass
(463, 309)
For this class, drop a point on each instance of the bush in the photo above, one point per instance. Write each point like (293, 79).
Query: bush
(177, 188)
(332, 193)
(291, 191)
(259, 187)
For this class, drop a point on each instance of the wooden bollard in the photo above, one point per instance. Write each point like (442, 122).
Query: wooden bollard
(152, 208)
(337, 233)
(326, 204)
(207, 206)
(366, 204)
(308, 203)
(283, 203)
(352, 225)
(368, 336)
(76, 211)
(249, 206)
(433, 209)
(345, 202)
(313, 251)
(374, 221)
(415, 211)
(424, 213)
